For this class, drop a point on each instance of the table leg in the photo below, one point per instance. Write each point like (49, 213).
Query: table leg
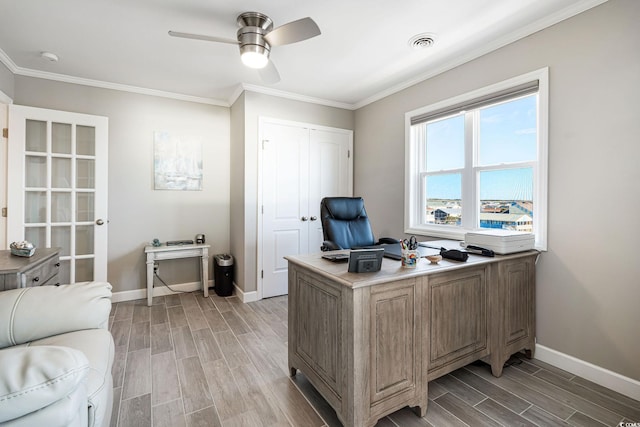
(149, 280)
(205, 272)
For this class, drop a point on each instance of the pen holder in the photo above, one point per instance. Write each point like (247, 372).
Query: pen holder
(409, 258)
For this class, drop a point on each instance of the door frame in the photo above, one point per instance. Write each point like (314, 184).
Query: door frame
(5, 101)
(262, 121)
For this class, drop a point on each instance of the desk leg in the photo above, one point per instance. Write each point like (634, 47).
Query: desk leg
(149, 279)
(205, 272)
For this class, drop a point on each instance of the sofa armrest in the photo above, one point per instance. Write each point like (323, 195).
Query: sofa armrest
(34, 313)
(32, 378)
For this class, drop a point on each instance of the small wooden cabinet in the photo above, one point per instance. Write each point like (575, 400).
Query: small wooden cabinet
(37, 270)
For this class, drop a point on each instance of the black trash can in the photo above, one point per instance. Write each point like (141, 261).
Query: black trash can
(223, 274)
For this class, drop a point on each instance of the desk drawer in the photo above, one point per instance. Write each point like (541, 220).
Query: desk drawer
(43, 274)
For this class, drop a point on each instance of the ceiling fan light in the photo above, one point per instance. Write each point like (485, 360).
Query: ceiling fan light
(254, 56)
(254, 59)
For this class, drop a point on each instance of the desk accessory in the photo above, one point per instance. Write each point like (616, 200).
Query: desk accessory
(365, 260)
(434, 259)
(336, 257)
(454, 254)
(179, 242)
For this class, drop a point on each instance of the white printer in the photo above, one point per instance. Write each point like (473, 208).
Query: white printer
(501, 241)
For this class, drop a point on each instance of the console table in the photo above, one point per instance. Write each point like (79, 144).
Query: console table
(20, 272)
(159, 253)
(371, 342)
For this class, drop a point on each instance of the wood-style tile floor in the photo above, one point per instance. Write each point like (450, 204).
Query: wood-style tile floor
(195, 361)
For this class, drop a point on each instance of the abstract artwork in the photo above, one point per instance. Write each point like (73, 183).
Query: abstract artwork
(177, 162)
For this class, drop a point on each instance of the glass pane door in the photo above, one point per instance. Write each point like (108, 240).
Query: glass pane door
(63, 197)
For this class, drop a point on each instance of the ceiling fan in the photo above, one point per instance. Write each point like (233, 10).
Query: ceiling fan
(256, 36)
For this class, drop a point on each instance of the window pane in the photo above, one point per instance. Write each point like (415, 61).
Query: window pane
(84, 240)
(445, 144)
(35, 206)
(84, 270)
(36, 171)
(61, 238)
(60, 207)
(85, 173)
(84, 206)
(37, 236)
(60, 172)
(508, 132)
(36, 136)
(443, 195)
(61, 138)
(86, 140)
(506, 199)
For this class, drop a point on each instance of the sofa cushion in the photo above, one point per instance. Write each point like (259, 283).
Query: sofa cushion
(97, 345)
(29, 314)
(32, 378)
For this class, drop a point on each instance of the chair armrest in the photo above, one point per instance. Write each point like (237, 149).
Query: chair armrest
(33, 313)
(32, 378)
(328, 245)
(387, 240)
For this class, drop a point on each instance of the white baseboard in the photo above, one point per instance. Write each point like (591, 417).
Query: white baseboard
(183, 287)
(158, 291)
(246, 296)
(604, 377)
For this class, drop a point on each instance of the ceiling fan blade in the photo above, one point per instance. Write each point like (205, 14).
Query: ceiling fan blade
(202, 37)
(269, 74)
(293, 32)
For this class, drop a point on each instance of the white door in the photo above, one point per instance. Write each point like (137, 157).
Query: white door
(57, 187)
(300, 166)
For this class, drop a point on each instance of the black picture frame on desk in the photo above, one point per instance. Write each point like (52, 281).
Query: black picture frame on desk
(365, 260)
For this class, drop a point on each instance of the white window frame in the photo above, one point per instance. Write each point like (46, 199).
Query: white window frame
(414, 155)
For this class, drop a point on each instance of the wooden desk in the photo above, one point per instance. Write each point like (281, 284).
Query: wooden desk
(159, 253)
(371, 342)
(20, 272)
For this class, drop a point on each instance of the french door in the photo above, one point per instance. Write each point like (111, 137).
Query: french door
(300, 165)
(57, 187)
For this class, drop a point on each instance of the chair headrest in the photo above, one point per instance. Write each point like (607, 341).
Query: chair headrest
(344, 208)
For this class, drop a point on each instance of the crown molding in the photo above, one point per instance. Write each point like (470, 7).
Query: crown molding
(27, 72)
(117, 86)
(293, 96)
(8, 62)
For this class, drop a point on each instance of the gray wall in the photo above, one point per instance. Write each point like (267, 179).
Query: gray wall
(237, 219)
(588, 282)
(137, 213)
(255, 106)
(6, 81)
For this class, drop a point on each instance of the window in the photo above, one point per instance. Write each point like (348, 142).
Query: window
(479, 161)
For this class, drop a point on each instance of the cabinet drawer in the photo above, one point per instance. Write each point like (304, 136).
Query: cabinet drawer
(43, 274)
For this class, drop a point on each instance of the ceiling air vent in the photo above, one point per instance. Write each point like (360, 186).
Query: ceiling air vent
(422, 41)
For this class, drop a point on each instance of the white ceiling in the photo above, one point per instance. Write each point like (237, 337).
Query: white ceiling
(361, 55)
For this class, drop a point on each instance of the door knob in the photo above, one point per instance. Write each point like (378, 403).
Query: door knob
(304, 218)
(99, 222)
(313, 218)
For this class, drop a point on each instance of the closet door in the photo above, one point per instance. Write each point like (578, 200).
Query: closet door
(57, 187)
(301, 164)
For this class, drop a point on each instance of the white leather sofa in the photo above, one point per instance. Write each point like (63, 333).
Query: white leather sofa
(56, 355)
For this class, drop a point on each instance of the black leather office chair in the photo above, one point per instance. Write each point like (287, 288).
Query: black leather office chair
(345, 224)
